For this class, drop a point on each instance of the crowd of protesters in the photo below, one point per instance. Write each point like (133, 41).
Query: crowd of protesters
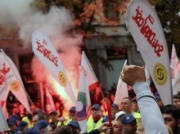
(143, 114)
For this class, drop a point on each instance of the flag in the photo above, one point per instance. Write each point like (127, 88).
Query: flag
(3, 122)
(148, 80)
(44, 50)
(174, 65)
(13, 80)
(145, 27)
(121, 89)
(83, 100)
(176, 84)
(91, 77)
(49, 100)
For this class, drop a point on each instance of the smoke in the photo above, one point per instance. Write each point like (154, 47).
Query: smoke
(55, 25)
(15, 12)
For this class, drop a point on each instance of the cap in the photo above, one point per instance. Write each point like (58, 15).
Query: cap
(16, 117)
(41, 124)
(74, 124)
(72, 109)
(127, 119)
(12, 121)
(54, 113)
(96, 107)
(114, 106)
(33, 130)
(119, 114)
(22, 124)
(157, 96)
(40, 111)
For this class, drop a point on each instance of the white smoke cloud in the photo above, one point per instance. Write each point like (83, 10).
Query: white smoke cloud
(15, 11)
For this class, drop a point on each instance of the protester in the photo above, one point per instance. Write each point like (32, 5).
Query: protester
(75, 127)
(129, 124)
(22, 128)
(140, 127)
(150, 113)
(54, 120)
(63, 129)
(176, 100)
(171, 115)
(72, 112)
(95, 121)
(119, 115)
(42, 125)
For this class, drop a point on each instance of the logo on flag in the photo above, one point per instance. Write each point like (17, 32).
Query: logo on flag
(81, 107)
(160, 74)
(62, 78)
(15, 86)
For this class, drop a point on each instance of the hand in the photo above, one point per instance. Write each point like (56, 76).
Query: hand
(132, 74)
(104, 127)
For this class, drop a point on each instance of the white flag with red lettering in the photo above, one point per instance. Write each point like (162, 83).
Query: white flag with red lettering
(12, 80)
(145, 27)
(121, 89)
(3, 122)
(46, 53)
(174, 65)
(91, 77)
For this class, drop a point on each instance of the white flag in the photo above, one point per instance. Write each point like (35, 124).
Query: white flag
(121, 89)
(83, 100)
(174, 65)
(3, 122)
(13, 80)
(147, 32)
(45, 51)
(92, 79)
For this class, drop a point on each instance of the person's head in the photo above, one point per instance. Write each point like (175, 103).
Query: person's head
(140, 127)
(33, 130)
(126, 104)
(74, 126)
(48, 108)
(37, 117)
(21, 109)
(12, 124)
(176, 100)
(135, 107)
(171, 115)
(54, 116)
(50, 130)
(42, 125)
(114, 109)
(129, 124)
(23, 126)
(117, 127)
(119, 115)
(96, 112)
(63, 130)
(72, 112)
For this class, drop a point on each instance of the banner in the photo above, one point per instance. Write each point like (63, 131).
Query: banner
(46, 53)
(11, 77)
(83, 100)
(3, 122)
(121, 90)
(174, 65)
(91, 77)
(147, 32)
